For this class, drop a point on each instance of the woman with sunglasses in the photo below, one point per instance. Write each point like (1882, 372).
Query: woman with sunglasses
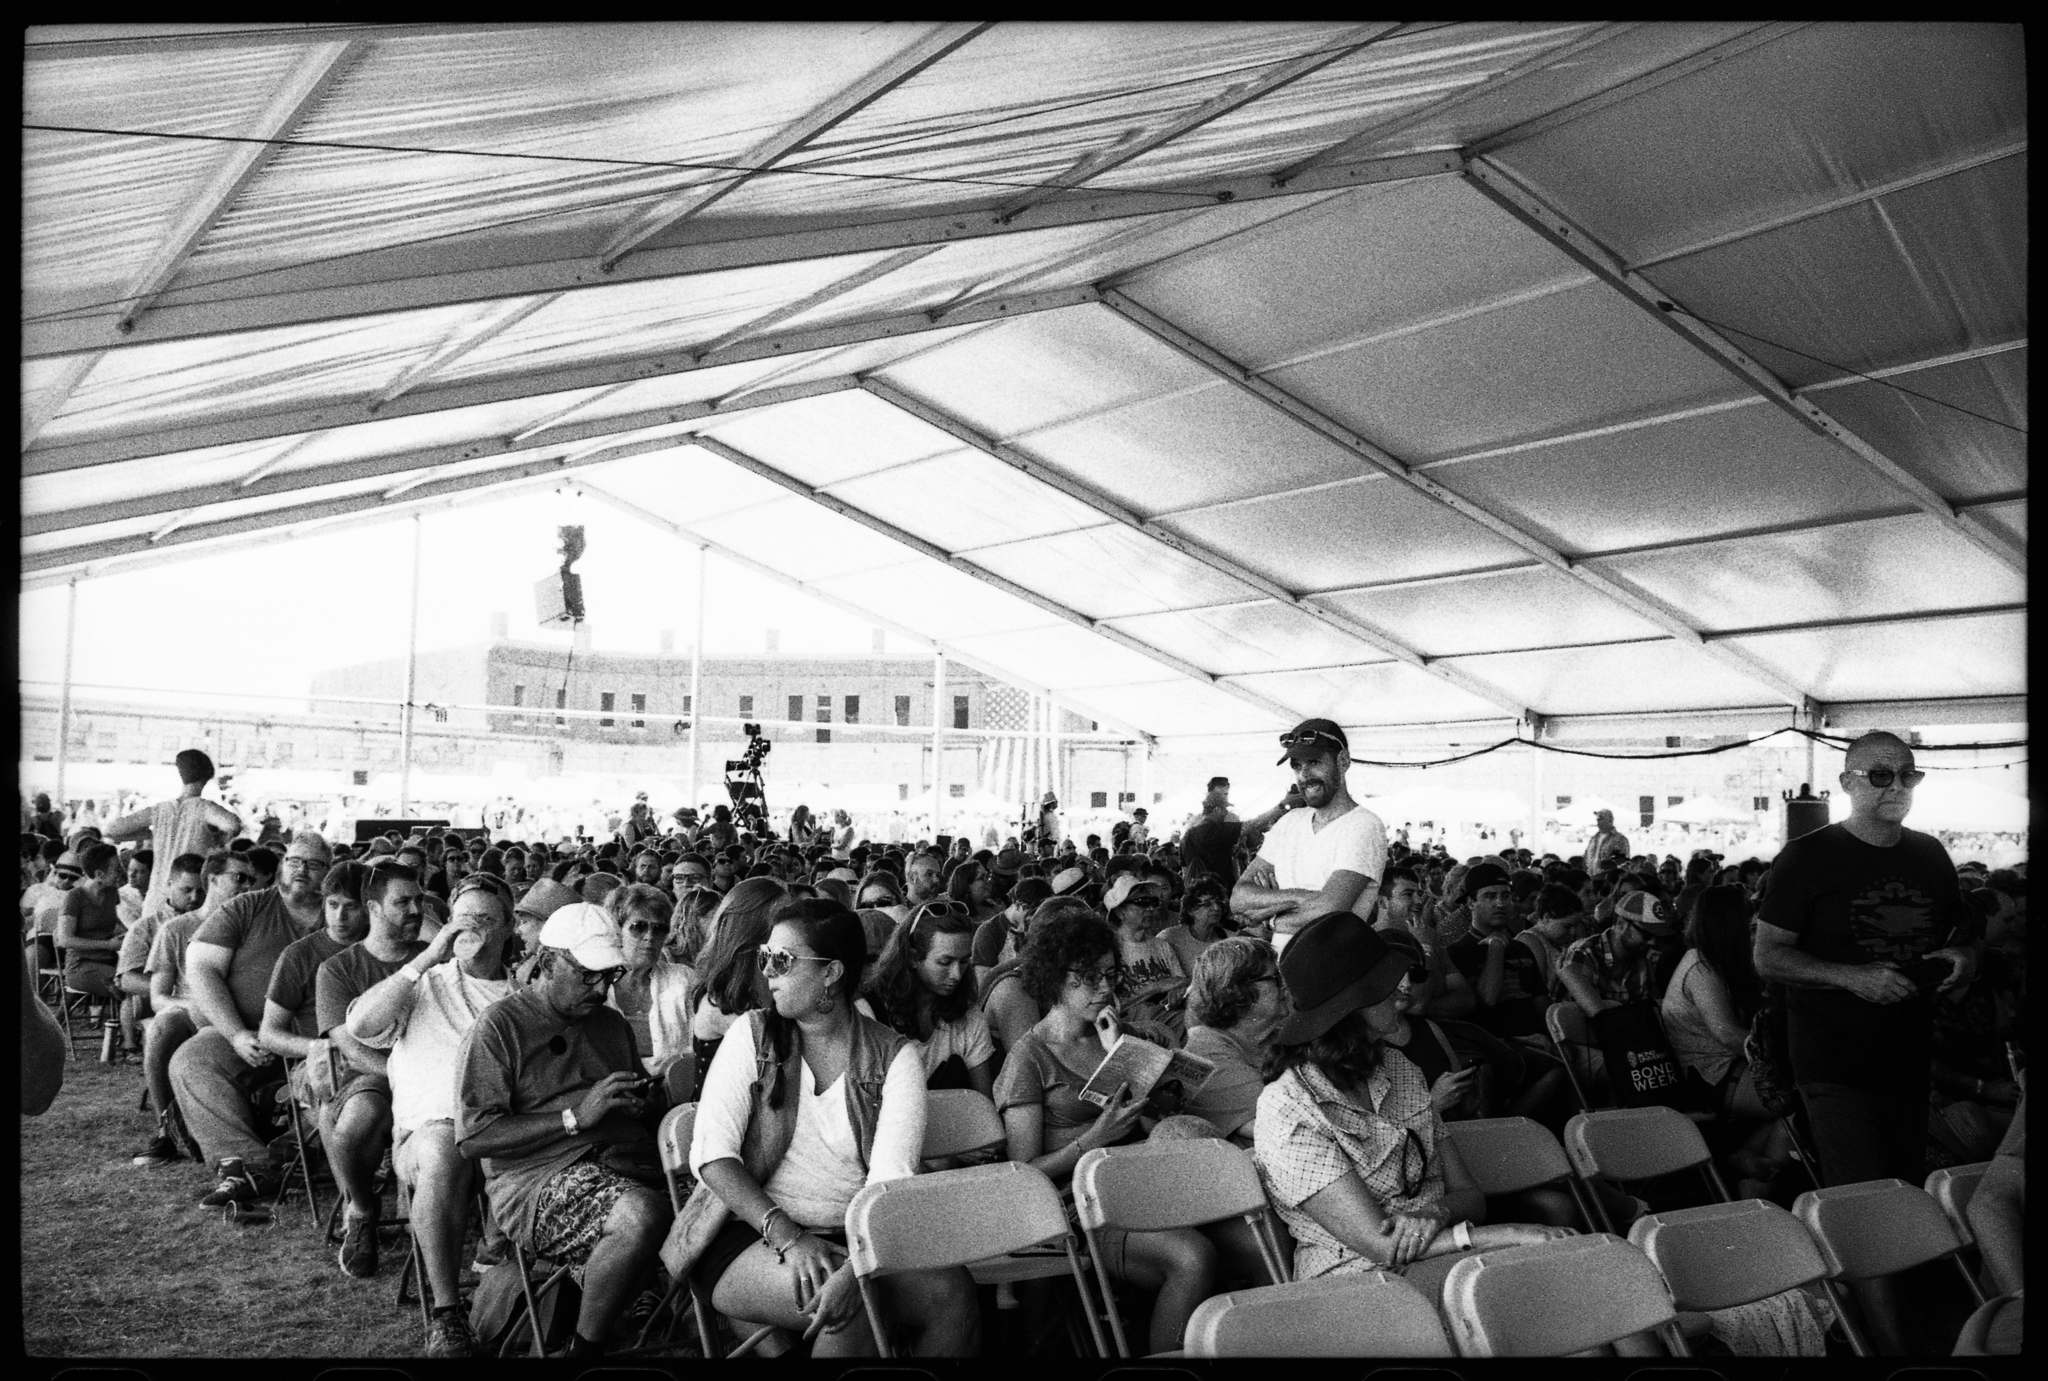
(1354, 1156)
(923, 987)
(807, 1102)
(654, 993)
(1069, 968)
(970, 885)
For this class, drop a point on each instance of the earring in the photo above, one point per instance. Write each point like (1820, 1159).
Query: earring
(825, 1002)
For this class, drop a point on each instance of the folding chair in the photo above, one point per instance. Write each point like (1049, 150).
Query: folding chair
(1174, 1184)
(680, 1080)
(1722, 1255)
(957, 1218)
(672, 1143)
(302, 1163)
(1878, 1228)
(60, 994)
(1507, 1155)
(959, 1122)
(1365, 1314)
(1638, 1144)
(416, 1258)
(1953, 1189)
(530, 1298)
(1557, 1299)
(1994, 1330)
(1572, 1036)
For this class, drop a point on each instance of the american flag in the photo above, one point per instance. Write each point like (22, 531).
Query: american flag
(1013, 768)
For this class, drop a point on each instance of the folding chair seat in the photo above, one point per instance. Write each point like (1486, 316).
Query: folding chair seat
(1629, 1144)
(1878, 1228)
(1508, 1155)
(1557, 1299)
(1151, 1187)
(1357, 1314)
(672, 1143)
(1571, 1035)
(957, 1218)
(1953, 1189)
(1719, 1256)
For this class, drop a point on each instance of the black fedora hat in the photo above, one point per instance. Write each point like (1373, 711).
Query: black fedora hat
(1335, 965)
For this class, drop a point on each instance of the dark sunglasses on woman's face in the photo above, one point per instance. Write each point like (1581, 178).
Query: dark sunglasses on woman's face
(647, 927)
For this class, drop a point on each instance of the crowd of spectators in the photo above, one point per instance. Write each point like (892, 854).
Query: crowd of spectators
(501, 1027)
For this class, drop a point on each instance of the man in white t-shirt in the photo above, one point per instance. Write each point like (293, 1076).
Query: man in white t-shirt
(1327, 855)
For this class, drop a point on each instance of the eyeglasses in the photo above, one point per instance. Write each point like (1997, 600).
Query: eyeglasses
(1307, 737)
(777, 962)
(1092, 979)
(597, 978)
(1144, 903)
(646, 927)
(1882, 777)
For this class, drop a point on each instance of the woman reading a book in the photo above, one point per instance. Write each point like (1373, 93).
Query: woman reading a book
(1069, 968)
(1355, 1158)
(923, 987)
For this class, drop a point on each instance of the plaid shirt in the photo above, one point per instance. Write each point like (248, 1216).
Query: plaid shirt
(1308, 1135)
(1617, 979)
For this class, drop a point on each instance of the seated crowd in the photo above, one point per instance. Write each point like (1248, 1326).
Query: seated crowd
(501, 1027)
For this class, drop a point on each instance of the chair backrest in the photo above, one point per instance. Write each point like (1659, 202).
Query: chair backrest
(1634, 1143)
(951, 1218)
(1365, 1314)
(672, 1144)
(1568, 1025)
(1722, 1255)
(1166, 1184)
(680, 1079)
(1953, 1189)
(1552, 1299)
(1508, 1154)
(959, 1120)
(1876, 1228)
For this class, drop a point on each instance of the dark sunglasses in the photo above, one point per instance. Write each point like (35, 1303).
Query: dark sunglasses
(592, 978)
(68, 875)
(646, 927)
(1307, 737)
(1145, 903)
(1882, 777)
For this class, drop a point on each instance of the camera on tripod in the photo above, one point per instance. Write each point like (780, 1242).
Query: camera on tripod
(744, 787)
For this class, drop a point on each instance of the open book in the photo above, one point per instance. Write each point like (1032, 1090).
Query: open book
(1145, 1066)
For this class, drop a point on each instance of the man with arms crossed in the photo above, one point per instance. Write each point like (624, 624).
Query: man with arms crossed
(1326, 857)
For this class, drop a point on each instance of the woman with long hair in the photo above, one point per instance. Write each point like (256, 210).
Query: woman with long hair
(654, 992)
(923, 988)
(970, 886)
(806, 1102)
(729, 983)
(690, 924)
(1354, 1156)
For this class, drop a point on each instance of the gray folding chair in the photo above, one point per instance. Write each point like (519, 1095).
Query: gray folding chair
(1878, 1228)
(1719, 1256)
(672, 1144)
(1509, 1155)
(1629, 1144)
(1357, 1314)
(1558, 1299)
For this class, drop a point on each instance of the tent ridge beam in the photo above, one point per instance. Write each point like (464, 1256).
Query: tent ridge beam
(764, 470)
(1635, 601)
(106, 449)
(416, 277)
(430, 458)
(1872, 620)
(1572, 239)
(1184, 546)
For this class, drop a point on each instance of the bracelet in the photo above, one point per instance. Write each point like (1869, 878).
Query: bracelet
(772, 1211)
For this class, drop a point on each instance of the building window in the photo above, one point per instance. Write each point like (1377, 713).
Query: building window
(1759, 804)
(561, 702)
(282, 750)
(903, 791)
(746, 706)
(640, 708)
(903, 711)
(824, 717)
(1646, 806)
(959, 711)
(956, 788)
(689, 704)
(604, 702)
(1563, 801)
(360, 776)
(853, 709)
(1098, 800)
(1674, 800)
(518, 694)
(796, 709)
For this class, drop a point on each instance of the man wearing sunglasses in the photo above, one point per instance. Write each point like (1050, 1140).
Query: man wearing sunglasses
(1860, 925)
(1327, 857)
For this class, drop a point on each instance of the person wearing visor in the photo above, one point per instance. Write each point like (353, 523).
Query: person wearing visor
(1354, 1155)
(1326, 856)
(550, 1097)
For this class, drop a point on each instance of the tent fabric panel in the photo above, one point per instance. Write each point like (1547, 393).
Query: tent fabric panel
(66, 206)
(687, 485)
(1207, 446)
(1890, 566)
(1053, 365)
(938, 601)
(82, 537)
(1181, 707)
(1985, 655)
(800, 539)
(1112, 571)
(1529, 369)
(1634, 678)
(1067, 657)
(1386, 693)
(2008, 518)
(1959, 456)
(1536, 607)
(965, 500)
(1404, 252)
(129, 479)
(1725, 471)
(1933, 268)
(601, 92)
(1249, 637)
(1348, 534)
(832, 438)
(1838, 107)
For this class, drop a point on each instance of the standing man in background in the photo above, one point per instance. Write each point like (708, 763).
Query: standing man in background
(1328, 856)
(1607, 843)
(186, 824)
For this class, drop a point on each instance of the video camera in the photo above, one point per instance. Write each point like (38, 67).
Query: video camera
(744, 787)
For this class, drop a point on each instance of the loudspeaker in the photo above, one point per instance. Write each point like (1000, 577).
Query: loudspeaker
(558, 599)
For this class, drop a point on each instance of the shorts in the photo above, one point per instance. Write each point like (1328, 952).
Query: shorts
(733, 1239)
(569, 1214)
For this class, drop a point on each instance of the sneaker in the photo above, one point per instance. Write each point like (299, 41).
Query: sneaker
(239, 1185)
(449, 1333)
(358, 1254)
(161, 1150)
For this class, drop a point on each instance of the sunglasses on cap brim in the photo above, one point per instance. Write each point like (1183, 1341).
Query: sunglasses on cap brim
(1310, 739)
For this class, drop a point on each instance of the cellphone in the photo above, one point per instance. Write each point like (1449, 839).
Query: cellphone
(1926, 972)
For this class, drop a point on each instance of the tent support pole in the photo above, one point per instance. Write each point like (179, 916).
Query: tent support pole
(938, 742)
(1535, 844)
(1053, 782)
(697, 675)
(412, 668)
(64, 703)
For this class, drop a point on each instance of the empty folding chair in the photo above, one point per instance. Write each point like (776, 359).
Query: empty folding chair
(680, 1080)
(1953, 1189)
(1878, 1228)
(1557, 1299)
(1356, 1314)
(1571, 1035)
(1629, 1144)
(957, 1218)
(1510, 1155)
(1173, 1184)
(1719, 1256)
(672, 1144)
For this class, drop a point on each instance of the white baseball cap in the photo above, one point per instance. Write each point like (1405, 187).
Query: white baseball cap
(587, 933)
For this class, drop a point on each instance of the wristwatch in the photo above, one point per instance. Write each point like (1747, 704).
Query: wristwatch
(569, 1122)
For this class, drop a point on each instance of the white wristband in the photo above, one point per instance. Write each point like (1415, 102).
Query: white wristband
(1462, 1235)
(409, 974)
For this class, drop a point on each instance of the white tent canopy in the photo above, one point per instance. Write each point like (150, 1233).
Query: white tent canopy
(1442, 375)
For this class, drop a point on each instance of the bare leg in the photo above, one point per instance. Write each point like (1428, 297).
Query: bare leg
(620, 1260)
(933, 1312)
(440, 1207)
(1180, 1265)
(355, 1143)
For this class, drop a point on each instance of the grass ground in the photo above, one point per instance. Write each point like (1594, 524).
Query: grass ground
(120, 1261)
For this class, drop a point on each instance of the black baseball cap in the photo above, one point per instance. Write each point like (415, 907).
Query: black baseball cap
(1311, 739)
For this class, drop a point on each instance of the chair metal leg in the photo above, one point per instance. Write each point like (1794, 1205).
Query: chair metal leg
(1571, 1074)
(1087, 1304)
(1261, 1225)
(1976, 1290)
(867, 1298)
(1845, 1310)
(1116, 1323)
